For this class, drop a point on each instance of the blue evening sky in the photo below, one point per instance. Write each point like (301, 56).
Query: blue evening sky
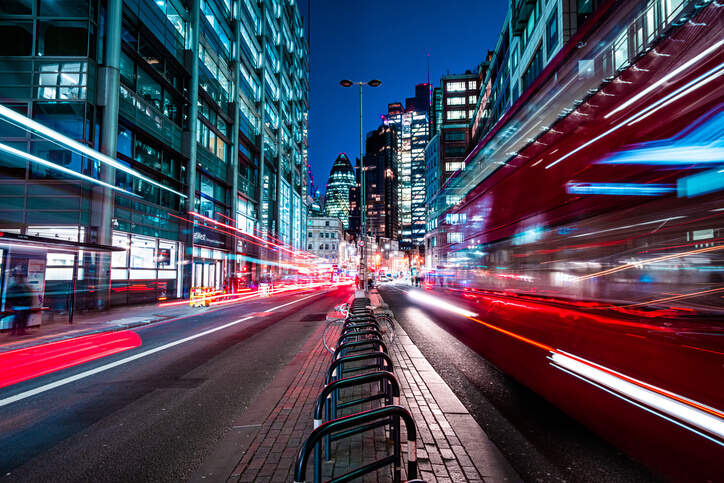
(389, 40)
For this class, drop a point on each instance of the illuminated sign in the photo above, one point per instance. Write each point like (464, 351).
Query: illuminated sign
(207, 237)
(456, 218)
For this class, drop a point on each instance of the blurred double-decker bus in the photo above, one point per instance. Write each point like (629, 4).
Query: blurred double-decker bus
(587, 227)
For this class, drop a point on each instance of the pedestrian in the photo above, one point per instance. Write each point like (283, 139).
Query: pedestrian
(20, 298)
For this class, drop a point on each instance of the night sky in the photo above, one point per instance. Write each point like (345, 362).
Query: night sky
(389, 40)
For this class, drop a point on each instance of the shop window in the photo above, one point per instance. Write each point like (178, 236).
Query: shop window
(143, 253)
(120, 259)
(167, 255)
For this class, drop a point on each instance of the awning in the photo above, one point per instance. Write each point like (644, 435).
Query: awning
(15, 240)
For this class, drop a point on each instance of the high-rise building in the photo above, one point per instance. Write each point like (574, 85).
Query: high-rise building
(203, 108)
(341, 179)
(532, 35)
(413, 129)
(452, 113)
(381, 183)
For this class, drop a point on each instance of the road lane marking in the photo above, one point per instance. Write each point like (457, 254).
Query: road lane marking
(112, 365)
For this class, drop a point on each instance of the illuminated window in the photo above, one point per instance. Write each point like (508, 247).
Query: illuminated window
(455, 86)
(455, 115)
(454, 237)
(455, 101)
(472, 85)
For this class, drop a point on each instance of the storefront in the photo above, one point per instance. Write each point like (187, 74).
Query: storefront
(56, 265)
(210, 258)
(148, 270)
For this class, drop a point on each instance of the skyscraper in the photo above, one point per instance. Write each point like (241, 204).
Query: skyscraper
(413, 130)
(381, 183)
(341, 179)
(204, 108)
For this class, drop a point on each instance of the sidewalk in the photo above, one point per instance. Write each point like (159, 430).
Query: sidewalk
(117, 318)
(263, 445)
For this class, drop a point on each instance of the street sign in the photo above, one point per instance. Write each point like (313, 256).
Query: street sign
(361, 243)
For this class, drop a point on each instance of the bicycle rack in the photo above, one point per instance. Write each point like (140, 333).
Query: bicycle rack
(358, 346)
(367, 347)
(352, 328)
(358, 423)
(389, 390)
(333, 373)
(365, 334)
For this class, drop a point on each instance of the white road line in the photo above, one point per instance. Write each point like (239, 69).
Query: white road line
(97, 370)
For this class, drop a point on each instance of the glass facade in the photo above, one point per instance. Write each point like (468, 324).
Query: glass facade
(210, 130)
(341, 180)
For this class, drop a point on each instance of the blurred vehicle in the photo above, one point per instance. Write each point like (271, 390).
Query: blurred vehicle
(586, 229)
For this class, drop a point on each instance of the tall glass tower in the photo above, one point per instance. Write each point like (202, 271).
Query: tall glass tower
(197, 113)
(341, 180)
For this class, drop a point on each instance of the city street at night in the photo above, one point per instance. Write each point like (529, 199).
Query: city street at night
(314, 240)
(154, 412)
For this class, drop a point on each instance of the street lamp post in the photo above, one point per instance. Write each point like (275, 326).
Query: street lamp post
(363, 193)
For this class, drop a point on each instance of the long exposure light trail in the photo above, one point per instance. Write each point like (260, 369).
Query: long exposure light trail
(674, 73)
(135, 357)
(687, 87)
(422, 297)
(663, 403)
(30, 362)
(62, 169)
(55, 137)
(639, 263)
(691, 415)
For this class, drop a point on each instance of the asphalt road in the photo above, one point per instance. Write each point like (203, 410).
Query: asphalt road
(157, 417)
(542, 443)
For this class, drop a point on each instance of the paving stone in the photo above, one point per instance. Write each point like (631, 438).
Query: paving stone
(441, 456)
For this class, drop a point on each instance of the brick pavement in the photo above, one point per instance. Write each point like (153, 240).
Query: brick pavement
(262, 446)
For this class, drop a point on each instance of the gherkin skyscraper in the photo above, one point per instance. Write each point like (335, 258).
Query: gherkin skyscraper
(341, 179)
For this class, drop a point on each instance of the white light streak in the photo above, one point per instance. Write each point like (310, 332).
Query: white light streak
(653, 397)
(674, 73)
(634, 117)
(629, 226)
(75, 146)
(62, 169)
(421, 296)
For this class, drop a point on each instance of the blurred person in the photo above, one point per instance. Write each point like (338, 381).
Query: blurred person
(20, 299)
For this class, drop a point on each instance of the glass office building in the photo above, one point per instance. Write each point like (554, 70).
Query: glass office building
(341, 180)
(202, 104)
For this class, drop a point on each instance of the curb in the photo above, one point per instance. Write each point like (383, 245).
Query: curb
(487, 458)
